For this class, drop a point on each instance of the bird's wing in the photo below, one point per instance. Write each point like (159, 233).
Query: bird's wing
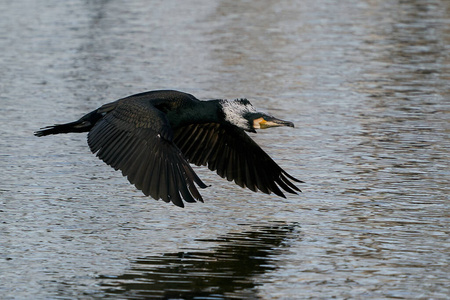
(137, 139)
(234, 155)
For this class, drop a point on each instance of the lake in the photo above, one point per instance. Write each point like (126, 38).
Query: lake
(365, 82)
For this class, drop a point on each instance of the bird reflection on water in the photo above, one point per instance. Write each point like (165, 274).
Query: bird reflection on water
(227, 270)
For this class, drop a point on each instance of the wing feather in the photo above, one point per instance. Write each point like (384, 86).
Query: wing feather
(235, 156)
(136, 138)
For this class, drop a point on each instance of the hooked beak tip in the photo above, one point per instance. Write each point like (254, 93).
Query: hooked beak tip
(278, 122)
(269, 121)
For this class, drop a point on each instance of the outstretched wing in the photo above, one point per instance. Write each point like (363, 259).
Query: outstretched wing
(136, 138)
(235, 156)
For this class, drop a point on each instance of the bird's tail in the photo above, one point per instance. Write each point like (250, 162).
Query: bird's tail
(82, 125)
(61, 128)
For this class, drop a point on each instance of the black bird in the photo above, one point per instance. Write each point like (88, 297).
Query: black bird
(153, 136)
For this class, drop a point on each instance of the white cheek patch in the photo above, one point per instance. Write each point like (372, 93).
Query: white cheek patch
(235, 110)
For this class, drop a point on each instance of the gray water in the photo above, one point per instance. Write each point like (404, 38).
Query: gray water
(366, 83)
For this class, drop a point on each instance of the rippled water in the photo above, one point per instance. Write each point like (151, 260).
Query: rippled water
(365, 82)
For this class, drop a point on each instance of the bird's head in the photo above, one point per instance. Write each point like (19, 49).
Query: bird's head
(242, 114)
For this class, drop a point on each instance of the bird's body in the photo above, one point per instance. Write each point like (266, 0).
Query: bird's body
(152, 137)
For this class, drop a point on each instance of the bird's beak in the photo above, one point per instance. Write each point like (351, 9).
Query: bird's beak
(269, 121)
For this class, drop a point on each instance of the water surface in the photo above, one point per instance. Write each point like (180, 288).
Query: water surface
(365, 82)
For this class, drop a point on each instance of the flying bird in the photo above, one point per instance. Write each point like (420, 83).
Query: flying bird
(153, 137)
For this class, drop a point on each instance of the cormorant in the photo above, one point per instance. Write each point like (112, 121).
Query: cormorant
(153, 136)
